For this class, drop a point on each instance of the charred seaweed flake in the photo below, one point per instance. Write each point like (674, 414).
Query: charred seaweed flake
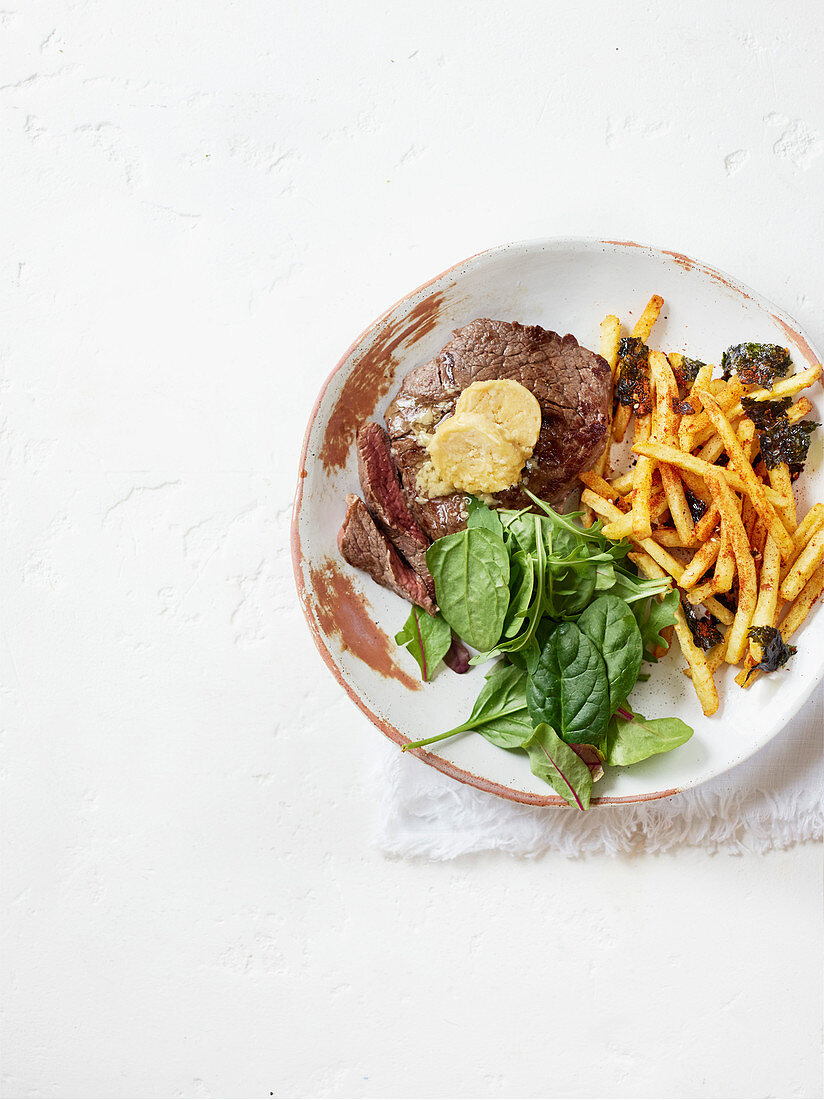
(633, 386)
(756, 364)
(775, 651)
(704, 632)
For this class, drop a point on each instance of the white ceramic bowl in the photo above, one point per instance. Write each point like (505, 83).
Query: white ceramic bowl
(567, 286)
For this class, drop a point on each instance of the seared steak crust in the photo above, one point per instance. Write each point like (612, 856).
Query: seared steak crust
(572, 386)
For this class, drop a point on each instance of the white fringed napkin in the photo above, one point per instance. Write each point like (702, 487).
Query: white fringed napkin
(772, 800)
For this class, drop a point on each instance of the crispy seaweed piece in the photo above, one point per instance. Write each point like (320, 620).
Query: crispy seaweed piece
(780, 440)
(756, 364)
(766, 413)
(775, 651)
(633, 387)
(786, 442)
(696, 504)
(688, 371)
(703, 628)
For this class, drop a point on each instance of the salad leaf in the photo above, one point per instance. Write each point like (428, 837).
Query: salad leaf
(559, 765)
(521, 584)
(569, 689)
(471, 574)
(631, 737)
(653, 616)
(611, 625)
(500, 713)
(481, 515)
(427, 637)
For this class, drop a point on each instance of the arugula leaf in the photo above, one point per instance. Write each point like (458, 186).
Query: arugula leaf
(427, 637)
(569, 689)
(559, 766)
(471, 574)
(611, 625)
(500, 713)
(630, 740)
(632, 588)
(653, 616)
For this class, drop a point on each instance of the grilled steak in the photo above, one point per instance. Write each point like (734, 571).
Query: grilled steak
(384, 499)
(364, 545)
(572, 386)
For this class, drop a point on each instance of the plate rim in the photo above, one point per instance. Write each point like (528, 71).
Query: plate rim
(584, 243)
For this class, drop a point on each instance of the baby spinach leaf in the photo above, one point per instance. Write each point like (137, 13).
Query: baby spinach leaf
(652, 616)
(521, 583)
(569, 689)
(471, 574)
(482, 516)
(569, 589)
(611, 625)
(427, 637)
(559, 766)
(631, 740)
(527, 657)
(500, 713)
(536, 607)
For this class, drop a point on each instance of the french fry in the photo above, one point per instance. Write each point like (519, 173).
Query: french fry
(642, 485)
(663, 453)
(812, 522)
(728, 398)
(697, 487)
(747, 590)
(702, 679)
(714, 658)
(610, 340)
(644, 324)
(797, 613)
(622, 528)
(758, 539)
(722, 613)
(707, 523)
(622, 484)
(620, 422)
(598, 485)
(782, 483)
(714, 447)
(702, 381)
(766, 608)
(703, 559)
(665, 430)
(785, 387)
(805, 565)
(752, 486)
(669, 536)
(724, 572)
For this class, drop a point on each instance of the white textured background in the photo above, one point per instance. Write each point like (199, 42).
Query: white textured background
(202, 204)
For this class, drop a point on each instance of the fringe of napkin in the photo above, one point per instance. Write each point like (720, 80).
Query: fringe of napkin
(771, 801)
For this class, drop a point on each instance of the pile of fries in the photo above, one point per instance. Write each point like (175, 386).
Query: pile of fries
(749, 532)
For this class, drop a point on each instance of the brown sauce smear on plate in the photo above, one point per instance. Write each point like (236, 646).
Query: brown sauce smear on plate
(371, 378)
(342, 611)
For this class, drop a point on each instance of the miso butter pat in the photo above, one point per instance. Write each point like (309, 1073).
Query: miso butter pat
(483, 447)
(509, 405)
(472, 454)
